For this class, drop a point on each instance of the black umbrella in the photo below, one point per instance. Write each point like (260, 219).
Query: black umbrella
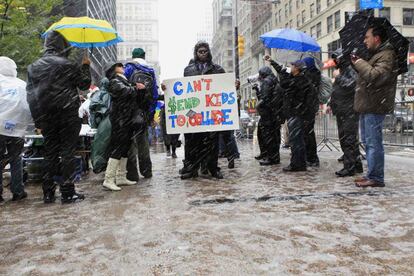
(353, 33)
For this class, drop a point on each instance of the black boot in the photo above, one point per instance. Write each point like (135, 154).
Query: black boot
(69, 195)
(20, 196)
(188, 175)
(269, 162)
(217, 174)
(260, 156)
(345, 172)
(358, 167)
(231, 164)
(341, 159)
(294, 169)
(49, 196)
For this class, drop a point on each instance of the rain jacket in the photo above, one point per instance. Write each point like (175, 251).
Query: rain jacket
(376, 85)
(100, 102)
(53, 81)
(123, 94)
(342, 98)
(270, 96)
(297, 90)
(196, 68)
(14, 110)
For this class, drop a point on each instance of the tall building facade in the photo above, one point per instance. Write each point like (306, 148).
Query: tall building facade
(243, 13)
(137, 23)
(206, 31)
(98, 9)
(223, 34)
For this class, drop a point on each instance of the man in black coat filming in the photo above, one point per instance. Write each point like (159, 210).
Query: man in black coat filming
(270, 96)
(342, 104)
(52, 94)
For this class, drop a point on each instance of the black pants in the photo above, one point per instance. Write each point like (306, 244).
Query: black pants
(61, 136)
(297, 142)
(310, 141)
(229, 144)
(201, 147)
(270, 139)
(121, 140)
(348, 138)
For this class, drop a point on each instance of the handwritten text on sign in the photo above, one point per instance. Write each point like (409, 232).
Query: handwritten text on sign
(201, 103)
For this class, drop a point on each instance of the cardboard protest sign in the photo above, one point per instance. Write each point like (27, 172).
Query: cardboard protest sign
(201, 104)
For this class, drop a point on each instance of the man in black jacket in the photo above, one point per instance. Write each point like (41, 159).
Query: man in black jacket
(342, 104)
(270, 98)
(314, 76)
(297, 90)
(201, 147)
(52, 93)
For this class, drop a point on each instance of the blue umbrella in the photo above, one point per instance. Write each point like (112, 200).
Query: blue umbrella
(290, 39)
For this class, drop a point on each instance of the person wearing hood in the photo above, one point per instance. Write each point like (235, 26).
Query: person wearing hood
(14, 118)
(201, 147)
(342, 105)
(123, 95)
(139, 71)
(374, 98)
(297, 89)
(52, 93)
(270, 100)
(314, 75)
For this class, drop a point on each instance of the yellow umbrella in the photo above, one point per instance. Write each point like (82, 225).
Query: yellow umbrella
(85, 32)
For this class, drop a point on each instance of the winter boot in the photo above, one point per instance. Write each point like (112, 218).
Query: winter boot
(121, 173)
(110, 175)
(69, 195)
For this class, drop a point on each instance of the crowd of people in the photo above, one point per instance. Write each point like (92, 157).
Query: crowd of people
(363, 92)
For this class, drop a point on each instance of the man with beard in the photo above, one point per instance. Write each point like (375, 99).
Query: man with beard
(342, 104)
(52, 93)
(201, 147)
(374, 98)
(270, 111)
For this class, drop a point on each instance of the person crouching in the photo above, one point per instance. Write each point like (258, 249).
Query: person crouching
(123, 95)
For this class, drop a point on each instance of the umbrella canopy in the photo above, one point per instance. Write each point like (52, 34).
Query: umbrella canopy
(353, 33)
(85, 32)
(290, 39)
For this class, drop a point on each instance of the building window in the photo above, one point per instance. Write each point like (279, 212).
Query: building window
(318, 6)
(385, 12)
(312, 7)
(329, 24)
(290, 23)
(313, 32)
(280, 16)
(276, 17)
(303, 17)
(297, 4)
(337, 19)
(297, 21)
(328, 2)
(290, 7)
(318, 30)
(286, 10)
(408, 16)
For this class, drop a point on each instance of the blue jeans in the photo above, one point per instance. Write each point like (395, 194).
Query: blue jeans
(10, 150)
(371, 136)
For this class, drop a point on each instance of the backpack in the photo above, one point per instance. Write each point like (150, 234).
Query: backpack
(325, 89)
(99, 107)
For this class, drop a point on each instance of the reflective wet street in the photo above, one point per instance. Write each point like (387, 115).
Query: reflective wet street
(257, 221)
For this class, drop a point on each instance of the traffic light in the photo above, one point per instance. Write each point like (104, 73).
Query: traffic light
(240, 45)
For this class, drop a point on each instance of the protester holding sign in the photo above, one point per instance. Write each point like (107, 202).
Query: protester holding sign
(198, 107)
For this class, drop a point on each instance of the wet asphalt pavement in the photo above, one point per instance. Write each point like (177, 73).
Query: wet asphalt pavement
(257, 221)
